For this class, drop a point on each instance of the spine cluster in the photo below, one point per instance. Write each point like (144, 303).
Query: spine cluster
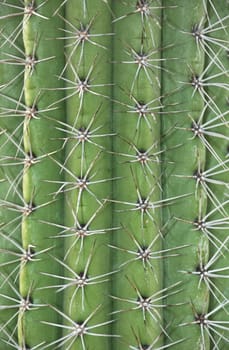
(114, 174)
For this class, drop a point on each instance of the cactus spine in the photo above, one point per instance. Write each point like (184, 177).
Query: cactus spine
(114, 174)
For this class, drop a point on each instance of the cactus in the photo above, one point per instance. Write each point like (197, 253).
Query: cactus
(114, 174)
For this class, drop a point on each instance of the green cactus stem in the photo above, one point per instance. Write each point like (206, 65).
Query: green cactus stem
(114, 174)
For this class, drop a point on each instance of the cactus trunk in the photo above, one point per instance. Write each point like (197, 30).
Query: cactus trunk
(114, 174)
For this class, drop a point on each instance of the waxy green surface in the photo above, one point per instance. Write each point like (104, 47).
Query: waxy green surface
(101, 194)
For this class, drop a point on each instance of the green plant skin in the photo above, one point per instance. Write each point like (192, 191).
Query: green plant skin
(80, 159)
(7, 174)
(175, 155)
(184, 161)
(41, 138)
(135, 177)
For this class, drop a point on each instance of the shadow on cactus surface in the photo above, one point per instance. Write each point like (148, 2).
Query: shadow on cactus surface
(114, 174)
